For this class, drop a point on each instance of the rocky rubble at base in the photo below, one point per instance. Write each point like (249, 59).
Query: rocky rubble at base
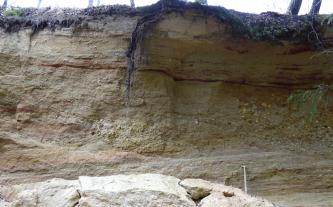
(153, 190)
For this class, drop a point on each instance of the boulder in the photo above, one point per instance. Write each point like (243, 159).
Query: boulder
(4, 203)
(51, 193)
(143, 190)
(209, 194)
(133, 190)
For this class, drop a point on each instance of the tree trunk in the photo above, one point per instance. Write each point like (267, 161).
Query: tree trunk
(132, 4)
(316, 4)
(4, 5)
(91, 2)
(39, 3)
(294, 7)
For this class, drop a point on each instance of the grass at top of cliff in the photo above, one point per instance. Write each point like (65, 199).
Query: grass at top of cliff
(268, 26)
(53, 18)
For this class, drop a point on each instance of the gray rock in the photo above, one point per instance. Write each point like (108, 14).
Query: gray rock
(213, 194)
(51, 193)
(143, 190)
(133, 190)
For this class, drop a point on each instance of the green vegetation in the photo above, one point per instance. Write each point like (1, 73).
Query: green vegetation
(203, 2)
(18, 12)
(327, 19)
(310, 101)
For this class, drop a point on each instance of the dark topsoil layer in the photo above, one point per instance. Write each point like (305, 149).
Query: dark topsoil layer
(266, 26)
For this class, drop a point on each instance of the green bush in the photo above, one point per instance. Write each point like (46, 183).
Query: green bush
(13, 12)
(309, 101)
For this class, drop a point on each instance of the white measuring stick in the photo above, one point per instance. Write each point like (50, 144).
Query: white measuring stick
(245, 180)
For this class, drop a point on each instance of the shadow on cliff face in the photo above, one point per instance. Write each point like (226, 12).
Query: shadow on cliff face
(8, 143)
(4, 142)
